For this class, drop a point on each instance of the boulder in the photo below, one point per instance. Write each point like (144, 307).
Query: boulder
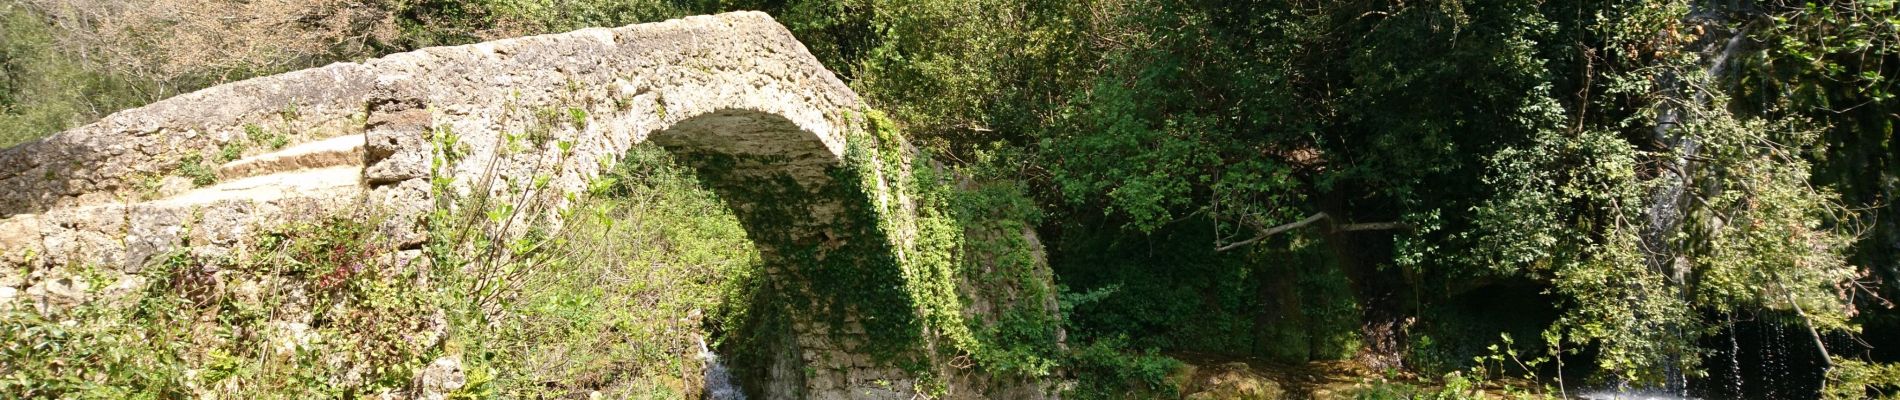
(1231, 381)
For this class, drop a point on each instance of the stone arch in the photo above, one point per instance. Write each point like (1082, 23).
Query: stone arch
(735, 95)
(113, 191)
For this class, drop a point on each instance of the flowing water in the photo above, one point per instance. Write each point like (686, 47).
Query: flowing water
(1606, 395)
(719, 382)
(1756, 357)
(1734, 359)
(1753, 357)
(1771, 359)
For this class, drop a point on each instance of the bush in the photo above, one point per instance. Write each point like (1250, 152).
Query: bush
(1108, 369)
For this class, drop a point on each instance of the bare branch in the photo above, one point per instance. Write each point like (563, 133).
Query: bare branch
(1273, 231)
(1369, 226)
(1266, 232)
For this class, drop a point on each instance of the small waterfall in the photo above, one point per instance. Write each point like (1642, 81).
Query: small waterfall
(1677, 380)
(1734, 358)
(1771, 365)
(719, 383)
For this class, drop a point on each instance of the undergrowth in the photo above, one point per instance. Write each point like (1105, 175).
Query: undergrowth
(310, 309)
(620, 298)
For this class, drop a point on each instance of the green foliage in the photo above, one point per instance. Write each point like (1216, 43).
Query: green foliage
(969, 234)
(44, 90)
(1755, 235)
(194, 167)
(1452, 334)
(641, 260)
(971, 241)
(1454, 386)
(960, 75)
(1475, 384)
(577, 118)
(1170, 290)
(309, 301)
(1504, 360)
(106, 356)
(230, 152)
(1835, 63)
(1477, 126)
(1855, 379)
(260, 136)
(1107, 369)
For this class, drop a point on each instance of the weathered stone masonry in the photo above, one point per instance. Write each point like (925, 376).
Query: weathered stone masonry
(120, 192)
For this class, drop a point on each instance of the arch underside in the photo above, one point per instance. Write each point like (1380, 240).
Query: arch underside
(778, 178)
(827, 260)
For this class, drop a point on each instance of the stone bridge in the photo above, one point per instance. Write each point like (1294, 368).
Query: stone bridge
(535, 117)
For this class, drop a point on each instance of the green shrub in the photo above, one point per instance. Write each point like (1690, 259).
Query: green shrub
(194, 167)
(259, 136)
(1109, 369)
(230, 152)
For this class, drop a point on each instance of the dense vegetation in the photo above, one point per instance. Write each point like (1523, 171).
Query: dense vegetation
(1620, 185)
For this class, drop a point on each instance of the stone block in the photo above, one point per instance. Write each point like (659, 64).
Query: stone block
(153, 231)
(85, 236)
(20, 240)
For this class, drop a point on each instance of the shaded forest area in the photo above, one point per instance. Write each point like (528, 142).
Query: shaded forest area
(1628, 190)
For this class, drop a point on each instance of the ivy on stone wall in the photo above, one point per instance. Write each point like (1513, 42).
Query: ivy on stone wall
(971, 269)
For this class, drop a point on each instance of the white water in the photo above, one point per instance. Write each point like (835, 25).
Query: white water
(1606, 395)
(719, 383)
(1734, 358)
